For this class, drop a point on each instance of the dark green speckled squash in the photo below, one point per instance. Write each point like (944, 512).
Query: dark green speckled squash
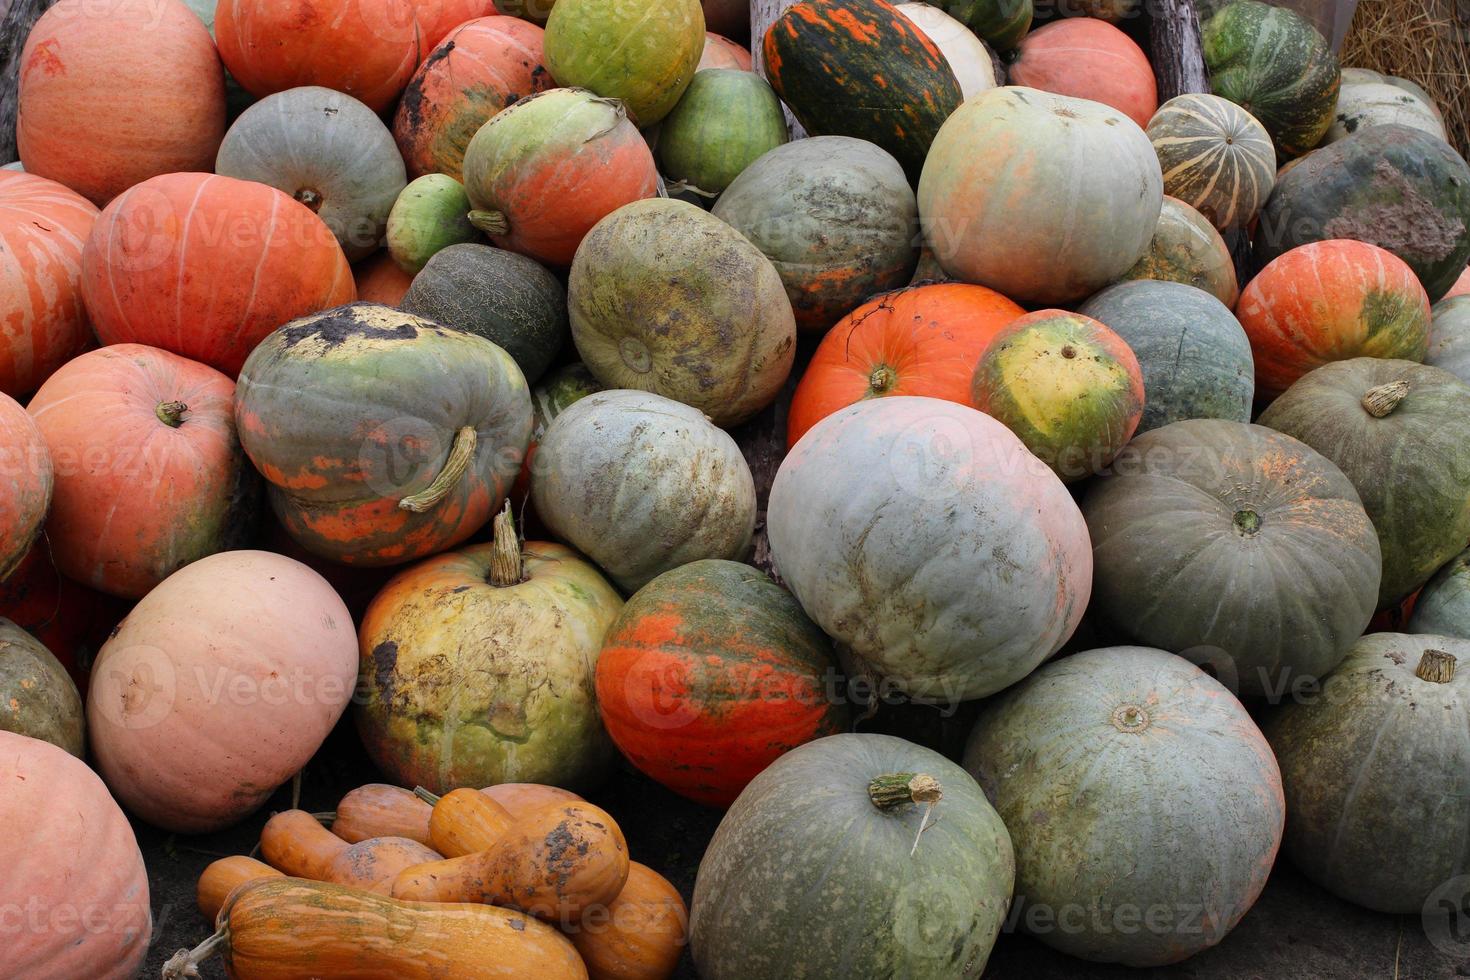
(37, 696)
(1443, 606)
(1002, 23)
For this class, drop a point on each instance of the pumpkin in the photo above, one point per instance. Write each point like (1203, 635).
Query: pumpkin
(437, 18)
(1443, 606)
(1380, 103)
(1374, 761)
(1399, 431)
(73, 861)
(326, 150)
(1001, 23)
(667, 298)
(1331, 301)
(205, 266)
(523, 798)
(865, 529)
(223, 876)
(535, 11)
(721, 52)
(365, 48)
(1216, 157)
(1461, 286)
(464, 821)
(373, 865)
(1449, 336)
(562, 387)
(477, 667)
(482, 67)
(1066, 385)
(1270, 562)
(1195, 358)
(367, 473)
(247, 642)
(1112, 11)
(380, 280)
(26, 474)
(642, 54)
(892, 840)
(547, 169)
(280, 928)
(1276, 66)
(640, 935)
(381, 810)
(1146, 740)
(37, 697)
(1041, 197)
(709, 674)
(150, 476)
(72, 620)
(725, 120)
(112, 94)
(835, 216)
(43, 227)
(642, 484)
(920, 341)
(431, 214)
(1390, 186)
(295, 843)
(895, 87)
(973, 63)
(1186, 248)
(1088, 59)
(504, 297)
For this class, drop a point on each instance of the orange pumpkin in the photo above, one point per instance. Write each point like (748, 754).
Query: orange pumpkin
(482, 67)
(721, 52)
(438, 17)
(1461, 286)
(26, 482)
(1088, 59)
(206, 266)
(380, 280)
(640, 935)
(224, 876)
(919, 341)
(114, 93)
(150, 476)
(366, 48)
(1331, 301)
(380, 810)
(43, 324)
(522, 798)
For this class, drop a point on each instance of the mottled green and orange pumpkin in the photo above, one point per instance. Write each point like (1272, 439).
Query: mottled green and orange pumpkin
(1216, 157)
(27, 480)
(37, 697)
(1331, 301)
(361, 467)
(1186, 248)
(710, 673)
(1001, 23)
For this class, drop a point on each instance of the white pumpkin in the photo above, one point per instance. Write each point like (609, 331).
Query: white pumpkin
(969, 58)
(1385, 103)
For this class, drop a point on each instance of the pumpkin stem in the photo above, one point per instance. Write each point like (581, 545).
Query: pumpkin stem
(311, 198)
(895, 789)
(1130, 719)
(426, 796)
(1436, 666)
(1381, 401)
(171, 414)
(882, 379)
(492, 223)
(460, 455)
(185, 963)
(1247, 522)
(506, 565)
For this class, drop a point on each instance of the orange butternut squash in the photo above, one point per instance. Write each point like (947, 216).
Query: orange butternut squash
(640, 936)
(295, 843)
(380, 810)
(374, 864)
(464, 821)
(521, 798)
(224, 876)
(287, 928)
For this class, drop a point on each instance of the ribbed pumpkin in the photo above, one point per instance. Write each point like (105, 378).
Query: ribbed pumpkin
(836, 217)
(1331, 301)
(72, 620)
(1400, 432)
(1270, 563)
(1391, 186)
(1187, 248)
(920, 341)
(150, 476)
(431, 214)
(725, 120)
(437, 18)
(643, 54)
(1275, 65)
(547, 169)
(1001, 23)
(1216, 157)
(380, 280)
(891, 840)
(326, 150)
(479, 69)
(27, 479)
(710, 673)
(1140, 739)
(1041, 197)
(370, 473)
(43, 227)
(1088, 59)
(895, 523)
(642, 484)
(37, 697)
(1443, 605)
(477, 667)
(973, 63)
(1449, 336)
(75, 870)
(894, 87)
(721, 52)
(1377, 773)
(1066, 385)
(114, 93)
(1195, 358)
(205, 267)
(666, 298)
(366, 48)
(1365, 104)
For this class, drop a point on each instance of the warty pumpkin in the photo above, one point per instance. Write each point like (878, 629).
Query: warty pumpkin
(27, 477)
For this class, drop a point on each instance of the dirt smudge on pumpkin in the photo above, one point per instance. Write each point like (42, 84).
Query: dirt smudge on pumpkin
(333, 328)
(385, 665)
(1406, 221)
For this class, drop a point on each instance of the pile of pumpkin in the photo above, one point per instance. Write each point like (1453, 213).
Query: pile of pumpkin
(341, 248)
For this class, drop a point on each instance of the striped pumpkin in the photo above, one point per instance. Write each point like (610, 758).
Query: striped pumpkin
(1216, 157)
(1186, 248)
(1001, 23)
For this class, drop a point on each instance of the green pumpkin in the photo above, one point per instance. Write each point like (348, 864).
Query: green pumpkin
(724, 122)
(1443, 606)
(505, 297)
(1400, 431)
(1449, 336)
(1001, 23)
(37, 696)
(431, 214)
(833, 864)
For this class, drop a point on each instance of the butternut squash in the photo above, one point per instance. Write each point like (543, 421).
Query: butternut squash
(295, 843)
(224, 876)
(464, 821)
(521, 798)
(380, 810)
(640, 936)
(289, 928)
(373, 864)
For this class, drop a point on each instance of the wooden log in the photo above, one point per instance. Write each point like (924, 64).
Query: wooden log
(1175, 49)
(764, 13)
(16, 20)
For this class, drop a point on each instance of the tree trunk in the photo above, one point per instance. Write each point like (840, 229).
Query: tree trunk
(16, 19)
(764, 13)
(1174, 49)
